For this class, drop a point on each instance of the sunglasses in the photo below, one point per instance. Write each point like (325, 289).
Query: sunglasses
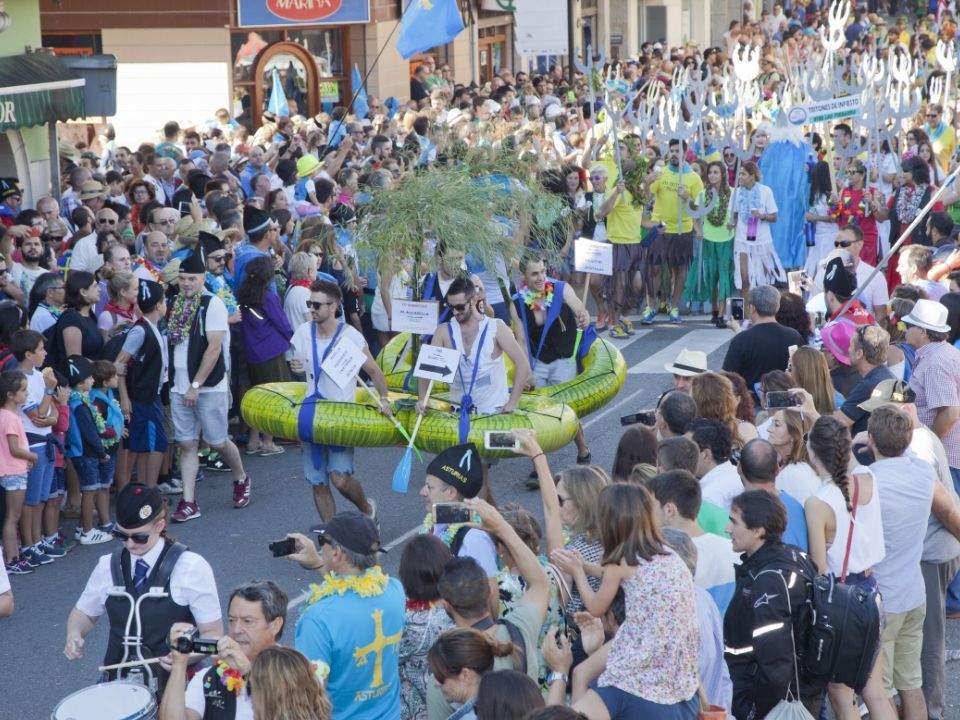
(314, 305)
(843, 243)
(460, 307)
(933, 115)
(220, 258)
(106, 221)
(138, 538)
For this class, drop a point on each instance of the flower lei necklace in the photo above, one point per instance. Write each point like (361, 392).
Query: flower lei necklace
(446, 534)
(97, 418)
(538, 301)
(181, 317)
(230, 677)
(718, 216)
(370, 583)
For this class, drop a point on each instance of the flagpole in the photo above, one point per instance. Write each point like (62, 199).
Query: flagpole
(570, 53)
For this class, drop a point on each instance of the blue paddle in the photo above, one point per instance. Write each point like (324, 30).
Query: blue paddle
(401, 476)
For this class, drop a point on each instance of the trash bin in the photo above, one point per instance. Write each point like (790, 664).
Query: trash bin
(100, 72)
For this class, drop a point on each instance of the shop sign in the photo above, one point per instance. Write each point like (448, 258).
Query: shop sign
(498, 5)
(329, 91)
(252, 13)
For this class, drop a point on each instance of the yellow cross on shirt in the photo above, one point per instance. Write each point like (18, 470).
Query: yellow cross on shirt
(379, 644)
(427, 4)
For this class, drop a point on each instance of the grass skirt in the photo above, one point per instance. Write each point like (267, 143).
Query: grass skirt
(716, 271)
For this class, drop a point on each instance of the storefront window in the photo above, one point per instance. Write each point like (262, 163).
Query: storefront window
(65, 45)
(244, 48)
(325, 47)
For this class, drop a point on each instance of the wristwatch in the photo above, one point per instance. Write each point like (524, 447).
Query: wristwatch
(195, 385)
(554, 676)
(50, 391)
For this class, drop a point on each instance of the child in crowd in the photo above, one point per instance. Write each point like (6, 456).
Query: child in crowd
(15, 460)
(104, 396)
(38, 415)
(86, 452)
(53, 536)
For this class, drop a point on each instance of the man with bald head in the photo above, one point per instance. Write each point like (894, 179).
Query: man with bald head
(758, 466)
(156, 253)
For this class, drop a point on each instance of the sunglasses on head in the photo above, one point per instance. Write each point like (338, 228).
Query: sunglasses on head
(138, 538)
(315, 305)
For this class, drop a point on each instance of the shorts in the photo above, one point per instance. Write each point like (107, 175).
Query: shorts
(209, 414)
(554, 373)
(88, 473)
(40, 476)
(673, 249)
(147, 431)
(12, 483)
(336, 459)
(59, 486)
(107, 469)
(902, 641)
(621, 705)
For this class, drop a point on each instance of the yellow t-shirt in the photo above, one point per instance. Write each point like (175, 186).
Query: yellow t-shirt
(944, 146)
(624, 221)
(666, 202)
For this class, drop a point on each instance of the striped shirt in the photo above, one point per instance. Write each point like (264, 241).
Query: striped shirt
(936, 381)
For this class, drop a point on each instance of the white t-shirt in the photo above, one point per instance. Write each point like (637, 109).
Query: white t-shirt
(477, 545)
(28, 276)
(35, 390)
(798, 480)
(192, 584)
(715, 561)
(216, 320)
(196, 702)
(42, 319)
(721, 485)
(300, 343)
(759, 197)
(85, 255)
(295, 305)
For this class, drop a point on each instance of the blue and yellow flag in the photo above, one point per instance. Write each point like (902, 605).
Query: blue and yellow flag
(426, 24)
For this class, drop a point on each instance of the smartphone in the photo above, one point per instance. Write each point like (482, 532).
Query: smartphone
(499, 440)
(647, 417)
(783, 399)
(735, 308)
(184, 209)
(282, 548)
(450, 513)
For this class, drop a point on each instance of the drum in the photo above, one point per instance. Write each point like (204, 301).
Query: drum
(117, 700)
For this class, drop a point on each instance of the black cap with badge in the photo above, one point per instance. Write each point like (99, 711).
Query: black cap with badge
(460, 468)
(195, 263)
(352, 530)
(137, 505)
(79, 369)
(839, 279)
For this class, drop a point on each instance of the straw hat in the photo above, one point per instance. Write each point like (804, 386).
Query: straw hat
(92, 189)
(688, 363)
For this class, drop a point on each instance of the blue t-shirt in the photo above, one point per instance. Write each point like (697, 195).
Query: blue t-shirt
(358, 639)
(796, 533)
(244, 254)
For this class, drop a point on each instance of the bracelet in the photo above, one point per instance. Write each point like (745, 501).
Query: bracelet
(539, 454)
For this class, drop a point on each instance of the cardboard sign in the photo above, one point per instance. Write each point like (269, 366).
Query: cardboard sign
(437, 363)
(593, 257)
(343, 363)
(823, 110)
(412, 316)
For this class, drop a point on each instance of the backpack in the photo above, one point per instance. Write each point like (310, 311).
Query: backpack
(8, 361)
(844, 632)
(112, 347)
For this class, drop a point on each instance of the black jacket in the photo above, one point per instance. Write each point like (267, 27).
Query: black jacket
(757, 627)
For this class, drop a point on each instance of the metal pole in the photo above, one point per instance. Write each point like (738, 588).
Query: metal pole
(570, 48)
(54, 159)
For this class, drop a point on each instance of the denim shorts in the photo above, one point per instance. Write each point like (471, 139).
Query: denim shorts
(59, 486)
(40, 477)
(11, 483)
(338, 460)
(621, 704)
(88, 472)
(107, 469)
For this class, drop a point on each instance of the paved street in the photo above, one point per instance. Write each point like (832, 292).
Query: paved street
(34, 674)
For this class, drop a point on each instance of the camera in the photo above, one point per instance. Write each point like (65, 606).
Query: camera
(735, 308)
(647, 417)
(282, 548)
(192, 644)
(450, 513)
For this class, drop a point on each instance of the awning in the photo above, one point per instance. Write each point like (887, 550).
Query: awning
(36, 88)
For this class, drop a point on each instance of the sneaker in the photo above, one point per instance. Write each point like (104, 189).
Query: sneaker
(173, 486)
(648, 316)
(94, 537)
(241, 492)
(216, 463)
(18, 567)
(65, 541)
(584, 459)
(108, 527)
(268, 451)
(618, 332)
(627, 325)
(674, 315)
(185, 511)
(51, 549)
(35, 558)
(77, 533)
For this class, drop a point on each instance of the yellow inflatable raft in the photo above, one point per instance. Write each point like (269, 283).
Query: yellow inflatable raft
(604, 372)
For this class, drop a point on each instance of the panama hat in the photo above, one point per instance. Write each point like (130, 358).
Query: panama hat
(889, 391)
(929, 315)
(688, 363)
(92, 189)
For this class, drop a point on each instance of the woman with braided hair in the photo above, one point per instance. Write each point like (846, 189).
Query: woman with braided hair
(830, 520)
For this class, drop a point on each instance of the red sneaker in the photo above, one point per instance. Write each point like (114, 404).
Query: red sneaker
(185, 511)
(241, 492)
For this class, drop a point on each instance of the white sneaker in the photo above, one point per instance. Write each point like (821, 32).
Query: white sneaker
(95, 537)
(174, 486)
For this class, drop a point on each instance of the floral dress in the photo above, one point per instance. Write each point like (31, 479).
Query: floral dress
(423, 626)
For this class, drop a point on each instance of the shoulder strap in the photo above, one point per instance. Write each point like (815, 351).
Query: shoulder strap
(853, 522)
(516, 637)
(457, 542)
(428, 286)
(116, 566)
(165, 569)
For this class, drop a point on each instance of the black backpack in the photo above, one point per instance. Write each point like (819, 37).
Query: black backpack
(844, 633)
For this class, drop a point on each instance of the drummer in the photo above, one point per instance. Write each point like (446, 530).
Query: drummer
(480, 384)
(257, 613)
(147, 559)
(550, 316)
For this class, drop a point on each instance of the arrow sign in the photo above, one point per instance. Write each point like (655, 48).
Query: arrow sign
(437, 363)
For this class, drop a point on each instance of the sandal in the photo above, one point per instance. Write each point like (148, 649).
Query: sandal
(253, 449)
(584, 460)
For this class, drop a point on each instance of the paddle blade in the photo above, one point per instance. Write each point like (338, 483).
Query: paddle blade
(401, 476)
